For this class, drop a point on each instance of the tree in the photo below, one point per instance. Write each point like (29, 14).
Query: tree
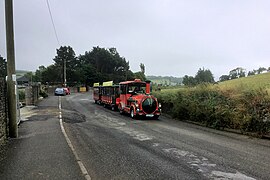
(51, 75)
(241, 72)
(38, 74)
(106, 64)
(233, 74)
(66, 55)
(142, 68)
(250, 73)
(224, 78)
(189, 81)
(204, 76)
(29, 75)
(3, 67)
(237, 73)
(139, 75)
(261, 69)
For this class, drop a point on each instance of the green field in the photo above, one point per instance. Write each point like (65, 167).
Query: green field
(255, 81)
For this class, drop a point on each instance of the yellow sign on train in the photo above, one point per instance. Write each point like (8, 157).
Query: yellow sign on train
(108, 83)
(96, 84)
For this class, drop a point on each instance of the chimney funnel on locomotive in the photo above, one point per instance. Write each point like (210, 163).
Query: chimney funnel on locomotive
(147, 89)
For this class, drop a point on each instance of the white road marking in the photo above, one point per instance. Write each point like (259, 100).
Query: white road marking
(202, 165)
(236, 176)
(59, 103)
(121, 123)
(135, 134)
(116, 124)
(84, 99)
(80, 163)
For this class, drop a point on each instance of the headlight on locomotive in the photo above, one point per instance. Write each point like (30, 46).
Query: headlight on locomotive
(149, 105)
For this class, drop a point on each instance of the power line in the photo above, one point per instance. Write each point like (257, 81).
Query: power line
(48, 5)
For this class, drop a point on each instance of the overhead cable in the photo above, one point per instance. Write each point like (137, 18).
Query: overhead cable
(48, 5)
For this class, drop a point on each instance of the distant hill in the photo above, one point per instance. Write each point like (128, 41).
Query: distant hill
(165, 80)
(20, 73)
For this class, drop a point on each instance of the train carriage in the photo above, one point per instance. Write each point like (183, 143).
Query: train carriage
(110, 96)
(97, 93)
(106, 94)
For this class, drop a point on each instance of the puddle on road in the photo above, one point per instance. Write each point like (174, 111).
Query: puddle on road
(72, 116)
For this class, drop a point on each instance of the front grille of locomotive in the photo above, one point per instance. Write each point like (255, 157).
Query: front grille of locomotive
(149, 105)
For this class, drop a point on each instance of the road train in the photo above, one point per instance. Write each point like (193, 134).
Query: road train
(130, 97)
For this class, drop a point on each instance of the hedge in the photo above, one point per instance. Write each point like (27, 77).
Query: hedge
(244, 109)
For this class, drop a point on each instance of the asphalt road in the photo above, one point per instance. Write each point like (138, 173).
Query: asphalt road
(113, 146)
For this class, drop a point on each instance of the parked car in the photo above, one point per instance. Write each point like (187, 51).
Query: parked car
(67, 90)
(59, 92)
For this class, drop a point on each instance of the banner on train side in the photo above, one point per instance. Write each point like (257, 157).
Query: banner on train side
(96, 84)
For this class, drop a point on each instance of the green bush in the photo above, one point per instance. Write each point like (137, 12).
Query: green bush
(21, 93)
(256, 111)
(237, 108)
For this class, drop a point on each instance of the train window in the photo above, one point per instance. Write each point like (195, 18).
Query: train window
(123, 89)
(136, 88)
(117, 91)
(103, 91)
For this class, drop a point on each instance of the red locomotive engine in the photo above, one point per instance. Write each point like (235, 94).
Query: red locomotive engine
(135, 99)
(131, 97)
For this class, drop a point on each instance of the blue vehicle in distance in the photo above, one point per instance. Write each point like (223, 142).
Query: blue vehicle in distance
(59, 92)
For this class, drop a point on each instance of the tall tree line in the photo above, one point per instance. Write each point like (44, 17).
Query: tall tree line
(96, 65)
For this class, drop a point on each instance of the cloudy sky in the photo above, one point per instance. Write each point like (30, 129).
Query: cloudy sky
(171, 37)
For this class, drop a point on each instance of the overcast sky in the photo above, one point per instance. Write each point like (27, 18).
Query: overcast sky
(171, 37)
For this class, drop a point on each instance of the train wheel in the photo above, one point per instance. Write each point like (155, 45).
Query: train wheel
(113, 108)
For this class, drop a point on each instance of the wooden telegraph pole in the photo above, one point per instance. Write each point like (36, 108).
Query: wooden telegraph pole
(65, 73)
(11, 75)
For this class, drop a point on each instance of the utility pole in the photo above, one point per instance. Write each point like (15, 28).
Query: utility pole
(11, 76)
(65, 73)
